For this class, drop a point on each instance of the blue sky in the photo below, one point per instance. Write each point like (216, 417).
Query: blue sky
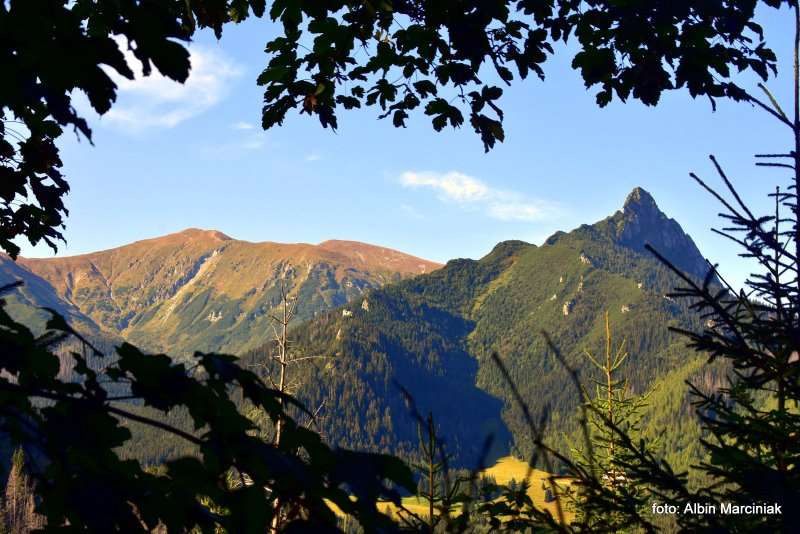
(171, 157)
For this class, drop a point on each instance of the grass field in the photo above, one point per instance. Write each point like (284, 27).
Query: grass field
(504, 471)
(509, 468)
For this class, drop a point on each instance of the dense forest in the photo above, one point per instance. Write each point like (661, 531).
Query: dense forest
(431, 337)
(434, 334)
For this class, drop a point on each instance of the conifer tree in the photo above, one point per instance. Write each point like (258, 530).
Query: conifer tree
(435, 488)
(612, 406)
(18, 512)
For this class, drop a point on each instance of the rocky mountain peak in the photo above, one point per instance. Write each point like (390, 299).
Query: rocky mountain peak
(641, 222)
(640, 202)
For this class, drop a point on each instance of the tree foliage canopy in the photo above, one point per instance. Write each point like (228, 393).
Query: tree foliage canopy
(441, 57)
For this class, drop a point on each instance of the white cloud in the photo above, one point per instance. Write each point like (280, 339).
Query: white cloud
(241, 125)
(466, 190)
(155, 101)
(451, 186)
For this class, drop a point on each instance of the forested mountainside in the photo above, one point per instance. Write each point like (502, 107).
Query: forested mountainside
(201, 290)
(434, 335)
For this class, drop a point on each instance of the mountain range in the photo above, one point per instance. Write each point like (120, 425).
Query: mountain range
(200, 289)
(433, 336)
(394, 333)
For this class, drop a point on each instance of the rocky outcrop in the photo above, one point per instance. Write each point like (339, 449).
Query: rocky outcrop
(641, 222)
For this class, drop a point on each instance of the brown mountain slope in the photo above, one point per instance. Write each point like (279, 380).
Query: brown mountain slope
(202, 290)
(376, 258)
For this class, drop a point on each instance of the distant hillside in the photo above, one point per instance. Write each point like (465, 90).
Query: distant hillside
(28, 303)
(25, 303)
(202, 290)
(434, 335)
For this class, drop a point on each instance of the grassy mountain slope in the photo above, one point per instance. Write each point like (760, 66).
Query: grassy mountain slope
(202, 290)
(25, 302)
(29, 302)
